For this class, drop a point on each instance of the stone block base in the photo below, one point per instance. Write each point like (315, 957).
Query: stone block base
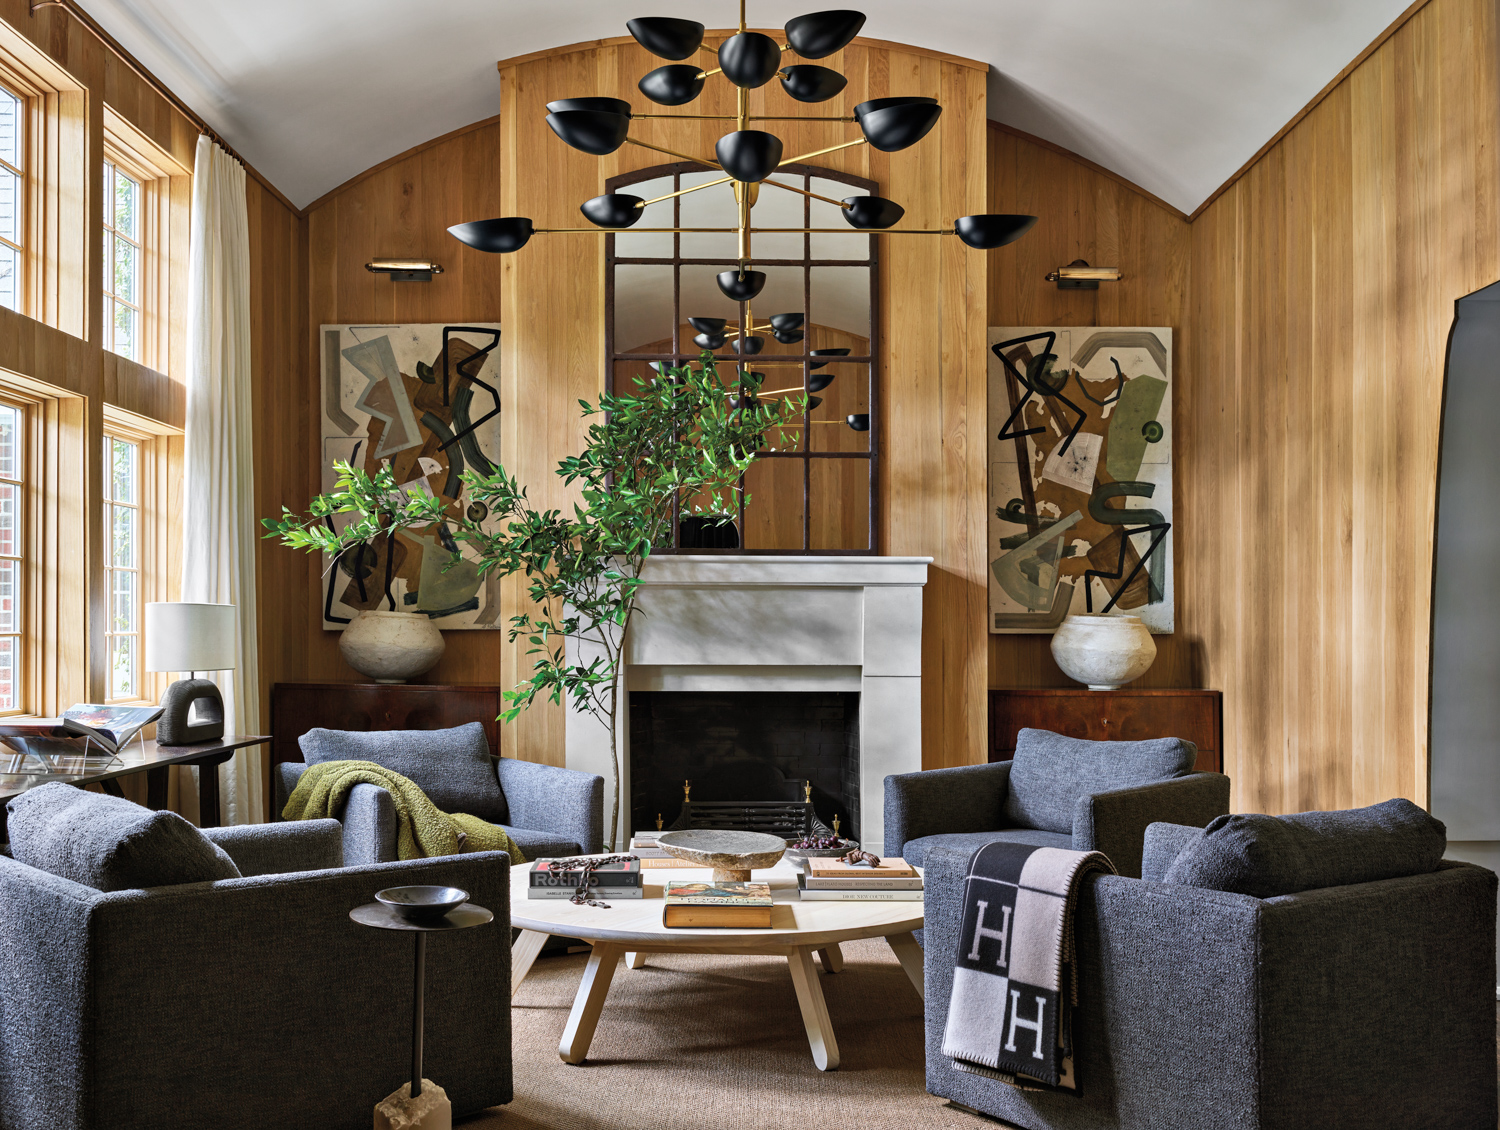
(430, 1110)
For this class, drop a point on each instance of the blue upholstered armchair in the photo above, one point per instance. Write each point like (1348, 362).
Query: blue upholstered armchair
(546, 810)
(1057, 792)
(243, 1003)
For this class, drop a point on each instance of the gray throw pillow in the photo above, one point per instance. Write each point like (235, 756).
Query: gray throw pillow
(109, 843)
(1266, 856)
(1050, 772)
(453, 767)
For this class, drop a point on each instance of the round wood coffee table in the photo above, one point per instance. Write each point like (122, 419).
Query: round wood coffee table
(632, 928)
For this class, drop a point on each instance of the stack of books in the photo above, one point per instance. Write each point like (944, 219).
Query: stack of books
(689, 904)
(551, 880)
(644, 845)
(833, 880)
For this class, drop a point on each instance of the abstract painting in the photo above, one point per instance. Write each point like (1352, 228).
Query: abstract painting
(1080, 454)
(425, 400)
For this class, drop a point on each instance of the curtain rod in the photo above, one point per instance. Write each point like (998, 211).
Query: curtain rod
(140, 72)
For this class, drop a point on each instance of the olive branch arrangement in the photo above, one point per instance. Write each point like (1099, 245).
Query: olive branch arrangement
(677, 446)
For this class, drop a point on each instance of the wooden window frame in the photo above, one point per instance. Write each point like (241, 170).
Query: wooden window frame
(154, 239)
(684, 351)
(24, 557)
(28, 96)
(110, 504)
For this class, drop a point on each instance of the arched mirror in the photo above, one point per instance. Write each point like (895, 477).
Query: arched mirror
(820, 497)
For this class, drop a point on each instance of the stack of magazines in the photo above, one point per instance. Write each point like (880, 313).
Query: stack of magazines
(833, 880)
(559, 878)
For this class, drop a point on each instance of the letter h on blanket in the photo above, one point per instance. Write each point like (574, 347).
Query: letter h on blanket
(1029, 891)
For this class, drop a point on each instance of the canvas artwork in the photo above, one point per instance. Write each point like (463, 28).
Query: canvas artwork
(424, 399)
(1080, 454)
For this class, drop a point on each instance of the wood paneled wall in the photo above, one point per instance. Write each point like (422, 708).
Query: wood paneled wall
(1323, 289)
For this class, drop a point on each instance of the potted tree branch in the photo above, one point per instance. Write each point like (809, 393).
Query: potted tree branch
(678, 446)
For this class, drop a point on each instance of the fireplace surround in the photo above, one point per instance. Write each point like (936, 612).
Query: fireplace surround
(732, 625)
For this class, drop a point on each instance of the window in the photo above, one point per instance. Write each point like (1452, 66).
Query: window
(12, 554)
(12, 198)
(122, 262)
(122, 568)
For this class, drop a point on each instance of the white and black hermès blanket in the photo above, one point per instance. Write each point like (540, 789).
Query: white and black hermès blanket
(1015, 981)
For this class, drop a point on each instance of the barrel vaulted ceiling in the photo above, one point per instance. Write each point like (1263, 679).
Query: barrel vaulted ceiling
(1174, 95)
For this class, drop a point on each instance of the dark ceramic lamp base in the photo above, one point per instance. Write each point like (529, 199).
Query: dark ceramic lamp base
(174, 727)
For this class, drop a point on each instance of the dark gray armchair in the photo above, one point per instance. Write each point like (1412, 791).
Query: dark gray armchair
(1366, 1005)
(545, 809)
(1058, 792)
(247, 1002)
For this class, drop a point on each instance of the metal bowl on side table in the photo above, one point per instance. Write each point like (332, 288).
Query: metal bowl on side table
(732, 855)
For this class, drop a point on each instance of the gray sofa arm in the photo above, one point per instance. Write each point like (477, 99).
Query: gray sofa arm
(370, 828)
(273, 849)
(547, 798)
(316, 1015)
(288, 773)
(963, 799)
(1164, 843)
(1115, 822)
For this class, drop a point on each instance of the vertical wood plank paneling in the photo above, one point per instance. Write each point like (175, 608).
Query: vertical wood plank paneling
(1323, 290)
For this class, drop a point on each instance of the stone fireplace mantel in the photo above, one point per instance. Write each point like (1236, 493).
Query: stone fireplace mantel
(746, 623)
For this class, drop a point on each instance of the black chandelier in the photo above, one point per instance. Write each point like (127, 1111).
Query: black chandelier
(748, 157)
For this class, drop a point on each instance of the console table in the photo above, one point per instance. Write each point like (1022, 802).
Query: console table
(299, 707)
(1123, 715)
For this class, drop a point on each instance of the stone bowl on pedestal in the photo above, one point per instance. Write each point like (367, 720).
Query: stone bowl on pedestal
(1103, 652)
(732, 855)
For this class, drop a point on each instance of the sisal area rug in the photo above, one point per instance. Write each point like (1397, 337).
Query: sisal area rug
(716, 1043)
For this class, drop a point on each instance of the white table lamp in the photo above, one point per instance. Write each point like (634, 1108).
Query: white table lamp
(191, 638)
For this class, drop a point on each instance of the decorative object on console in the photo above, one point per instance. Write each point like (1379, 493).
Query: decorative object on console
(1080, 453)
(425, 400)
(190, 637)
(1103, 652)
(391, 647)
(1078, 275)
(675, 438)
(732, 855)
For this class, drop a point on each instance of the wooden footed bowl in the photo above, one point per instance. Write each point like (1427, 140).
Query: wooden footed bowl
(732, 855)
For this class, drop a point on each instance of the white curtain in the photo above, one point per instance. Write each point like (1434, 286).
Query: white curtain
(219, 527)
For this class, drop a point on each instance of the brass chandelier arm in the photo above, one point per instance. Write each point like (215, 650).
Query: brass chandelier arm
(735, 231)
(820, 152)
(793, 188)
(673, 153)
(732, 117)
(684, 191)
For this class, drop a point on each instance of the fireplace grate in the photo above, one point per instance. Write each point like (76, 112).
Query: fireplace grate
(791, 820)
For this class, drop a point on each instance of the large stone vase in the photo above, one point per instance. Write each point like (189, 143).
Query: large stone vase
(391, 647)
(1103, 652)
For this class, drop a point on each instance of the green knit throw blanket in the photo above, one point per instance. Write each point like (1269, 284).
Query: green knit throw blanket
(422, 830)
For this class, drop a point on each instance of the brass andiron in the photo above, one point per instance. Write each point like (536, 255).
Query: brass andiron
(807, 791)
(687, 792)
(658, 821)
(836, 826)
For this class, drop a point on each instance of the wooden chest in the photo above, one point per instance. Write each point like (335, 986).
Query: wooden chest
(298, 707)
(1123, 715)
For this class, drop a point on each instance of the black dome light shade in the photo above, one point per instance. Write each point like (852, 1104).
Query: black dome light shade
(508, 233)
(593, 131)
(670, 38)
(749, 155)
(749, 346)
(886, 103)
(709, 341)
(788, 337)
(895, 127)
(860, 421)
(813, 402)
(991, 231)
(741, 286)
(869, 212)
(616, 210)
(674, 85)
(830, 353)
(604, 105)
(807, 83)
(785, 322)
(749, 59)
(820, 382)
(822, 33)
(708, 325)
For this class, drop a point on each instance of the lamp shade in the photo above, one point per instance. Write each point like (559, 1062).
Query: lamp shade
(987, 232)
(615, 210)
(822, 33)
(190, 637)
(498, 236)
(807, 83)
(674, 85)
(593, 131)
(670, 38)
(893, 128)
(749, 155)
(749, 59)
(871, 212)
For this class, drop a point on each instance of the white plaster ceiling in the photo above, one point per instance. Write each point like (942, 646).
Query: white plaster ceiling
(1175, 95)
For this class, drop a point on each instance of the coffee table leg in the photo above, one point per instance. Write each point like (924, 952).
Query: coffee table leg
(635, 960)
(909, 953)
(820, 1037)
(592, 990)
(832, 958)
(523, 955)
